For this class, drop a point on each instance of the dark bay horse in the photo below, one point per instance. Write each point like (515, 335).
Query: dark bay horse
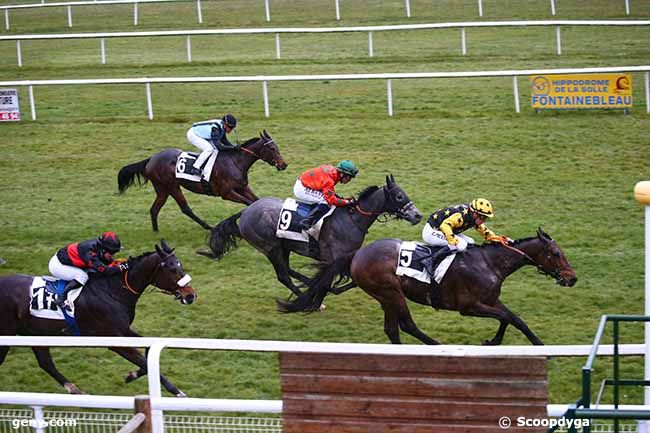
(105, 307)
(471, 286)
(229, 178)
(342, 232)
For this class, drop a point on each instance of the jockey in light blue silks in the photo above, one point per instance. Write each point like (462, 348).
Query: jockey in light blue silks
(210, 136)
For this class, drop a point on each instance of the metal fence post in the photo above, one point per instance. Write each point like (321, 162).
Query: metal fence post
(480, 8)
(553, 7)
(268, 10)
(149, 104)
(338, 11)
(198, 11)
(31, 102)
(389, 92)
(558, 41)
(153, 379)
(102, 45)
(265, 92)
(69, 16)
(371, 51)
(188, 45)
(647, 97)
(408, 8)
(38, 418)
(19, 54)
(6, 19)
(515, 86)
(277, 46)
(135, 14)
(463, 41)
(627, 7)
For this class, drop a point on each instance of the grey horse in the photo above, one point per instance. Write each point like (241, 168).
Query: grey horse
(343, 232)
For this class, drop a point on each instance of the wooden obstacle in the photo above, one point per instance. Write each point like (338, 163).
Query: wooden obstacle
(352, 393)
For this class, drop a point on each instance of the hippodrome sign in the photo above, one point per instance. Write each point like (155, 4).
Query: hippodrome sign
(9, 110)
(581, 91)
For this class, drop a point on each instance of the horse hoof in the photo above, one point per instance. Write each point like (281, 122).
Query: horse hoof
(181, 394)
(72, 389)
(322, 307)
(131, 376)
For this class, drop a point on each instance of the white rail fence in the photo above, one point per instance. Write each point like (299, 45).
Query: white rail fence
(267, 8)
(160, 404)
(306, 30)
(389, 77)
(68, 6)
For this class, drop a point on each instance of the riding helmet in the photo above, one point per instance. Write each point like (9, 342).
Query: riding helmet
(110, 242)
(482, 207)
(230, 121)
(347, 167)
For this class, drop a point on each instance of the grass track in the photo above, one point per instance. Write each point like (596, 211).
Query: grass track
(569, 172)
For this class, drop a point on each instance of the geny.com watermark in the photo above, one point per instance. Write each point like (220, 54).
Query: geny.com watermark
(43, 423)
(522, 421)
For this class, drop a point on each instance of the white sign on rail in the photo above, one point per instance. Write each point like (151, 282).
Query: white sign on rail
(9, 109)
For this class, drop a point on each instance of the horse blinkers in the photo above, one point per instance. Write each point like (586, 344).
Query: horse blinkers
(553, 257)
(269, 146)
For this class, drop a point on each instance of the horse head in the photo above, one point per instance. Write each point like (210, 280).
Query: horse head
(398, 202)
(170, 276)
(550, 260)
(266, 150)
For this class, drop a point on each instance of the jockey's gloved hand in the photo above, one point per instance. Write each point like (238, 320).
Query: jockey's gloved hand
(352, 202)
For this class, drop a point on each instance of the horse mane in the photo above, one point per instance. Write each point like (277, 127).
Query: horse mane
(250, 141)
(515, 243)
(132, 261)
(366, 192)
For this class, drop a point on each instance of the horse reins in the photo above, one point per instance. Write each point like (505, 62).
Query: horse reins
(528, 258)
(127, 285)
(250, 152)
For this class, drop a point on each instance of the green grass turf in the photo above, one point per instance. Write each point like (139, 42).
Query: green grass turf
(570, 172)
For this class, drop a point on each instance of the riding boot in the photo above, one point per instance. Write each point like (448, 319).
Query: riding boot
(60, 300)
(430, 263)
(314, 215)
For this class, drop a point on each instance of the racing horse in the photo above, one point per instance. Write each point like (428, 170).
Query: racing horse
(229, 177)
(342, 232)
(105, 307)
(471, 285)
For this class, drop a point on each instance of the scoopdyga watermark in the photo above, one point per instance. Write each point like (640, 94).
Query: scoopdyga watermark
(505, 422)
(43, 423)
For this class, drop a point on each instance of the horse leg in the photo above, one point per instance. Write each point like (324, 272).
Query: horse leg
(134, 356)
(518, 323)
(280, 261)
(248, 193)
(232, 195)
(407, 324)
(498, 337)
(502, 314)
(391, 326)
(46, 362)
(185, 208)
(158, 203)
(3, 353)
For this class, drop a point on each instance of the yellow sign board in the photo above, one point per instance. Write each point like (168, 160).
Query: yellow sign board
(581, 91)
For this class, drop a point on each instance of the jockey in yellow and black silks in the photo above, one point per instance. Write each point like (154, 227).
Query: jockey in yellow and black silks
(445, 226)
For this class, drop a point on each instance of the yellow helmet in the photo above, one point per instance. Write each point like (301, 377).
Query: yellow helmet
(482, 206)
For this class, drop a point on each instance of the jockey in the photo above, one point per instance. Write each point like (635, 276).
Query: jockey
(445, 226)
(210, 136)
(317, 186)
(72, 262)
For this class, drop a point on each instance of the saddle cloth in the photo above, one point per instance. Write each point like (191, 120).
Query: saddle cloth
(186, 160)
(292, 213)
(409, 262)
(42, 293)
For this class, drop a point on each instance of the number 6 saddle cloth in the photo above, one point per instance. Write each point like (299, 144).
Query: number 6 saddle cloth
(186, 160)
(409, 262)
(292, 213)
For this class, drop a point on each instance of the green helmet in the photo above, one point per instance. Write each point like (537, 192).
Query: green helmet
(347, 167)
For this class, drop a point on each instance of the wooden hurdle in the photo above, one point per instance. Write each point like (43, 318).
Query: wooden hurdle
(353, 393)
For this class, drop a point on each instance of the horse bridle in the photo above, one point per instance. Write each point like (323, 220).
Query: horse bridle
(273, 162)
(555, 274)
(400, 212)
(182, 282)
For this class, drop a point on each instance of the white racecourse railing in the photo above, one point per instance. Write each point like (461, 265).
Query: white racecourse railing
(156, 346)
(293, 30)
(333, 77)
(68, 6)
(267, 8)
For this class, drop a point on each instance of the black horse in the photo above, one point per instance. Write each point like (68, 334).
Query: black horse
(341, 233)
(229, 178)
(105, 307)
(471, 286)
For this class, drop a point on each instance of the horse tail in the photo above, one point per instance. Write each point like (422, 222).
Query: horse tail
(131, 173)
(323, 282)
(224, 237)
